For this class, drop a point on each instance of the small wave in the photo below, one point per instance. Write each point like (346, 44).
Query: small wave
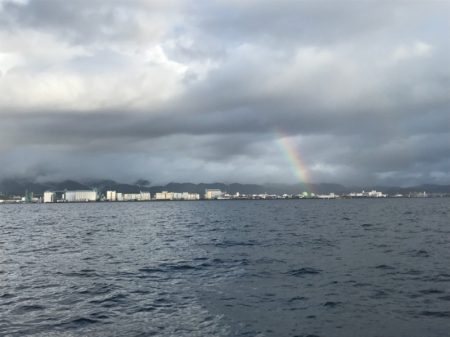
(147, 334)
(148, 308)
(161, 300)
(362, 284)
(242, 262)
(445, 298)
(98, 289)
(303, 271)
(100, 315)
(297, 298)
(114, 298)
(178, 266)
(413, 272)
(379, 294)
(267, 260)
(440, 314)
(79, 322)
(81, 273)
(200, 259)
(384, 267)
(141, 291)
(27, 308)
(442, 277)
(182, 267)
(7, 296)
(322, 242)
(151, 270)
(331, 304)
(165, 268)
(230, 243)
(418, 253)
(431, 291)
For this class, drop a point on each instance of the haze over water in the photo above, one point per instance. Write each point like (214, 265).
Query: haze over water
(226, 268)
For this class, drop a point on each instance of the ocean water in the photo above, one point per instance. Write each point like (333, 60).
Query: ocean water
(226, 268)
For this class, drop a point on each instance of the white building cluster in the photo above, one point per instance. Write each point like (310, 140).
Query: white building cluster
(117, 196)
(328, 196)
(371, 194)
(146, 196)
(92, 195)
(165, 195)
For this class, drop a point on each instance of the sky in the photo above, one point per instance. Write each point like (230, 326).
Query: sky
(351, 92)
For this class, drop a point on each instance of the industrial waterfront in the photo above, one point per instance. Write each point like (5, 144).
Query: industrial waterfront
(210, 194)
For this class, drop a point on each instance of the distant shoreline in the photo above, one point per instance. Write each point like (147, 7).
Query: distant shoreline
(212, 200)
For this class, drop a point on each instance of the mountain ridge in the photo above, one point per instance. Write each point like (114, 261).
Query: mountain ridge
(13, 186)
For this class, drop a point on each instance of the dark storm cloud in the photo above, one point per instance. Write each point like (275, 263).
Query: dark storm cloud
(202, 91)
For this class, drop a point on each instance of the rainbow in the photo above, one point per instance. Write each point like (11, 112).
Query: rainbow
(292, 155)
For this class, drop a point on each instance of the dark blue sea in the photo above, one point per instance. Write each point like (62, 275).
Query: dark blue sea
(378, 267)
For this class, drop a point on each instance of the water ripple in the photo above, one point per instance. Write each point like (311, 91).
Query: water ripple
(258, 268)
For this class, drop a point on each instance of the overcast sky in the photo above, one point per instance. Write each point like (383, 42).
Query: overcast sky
(201, 90)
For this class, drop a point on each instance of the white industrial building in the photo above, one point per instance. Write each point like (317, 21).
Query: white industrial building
(111, 195)
(328, 196)
(141, 196)
(146, 196)
(213, 194)
(131, 196)
(80, 196)
(49, 197)
(191, 196)
(164, 195)
(376, 194)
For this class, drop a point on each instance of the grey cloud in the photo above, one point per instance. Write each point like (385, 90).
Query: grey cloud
(85, 22)
(361, 88)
